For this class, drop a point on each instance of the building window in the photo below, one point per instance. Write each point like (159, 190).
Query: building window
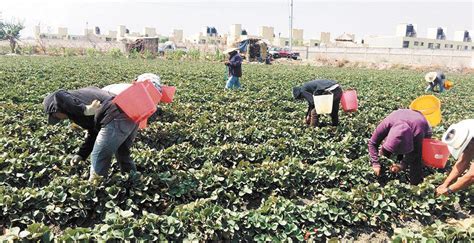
(416, 43)
(422, 43)
(430, 45)
(438, 46)
(406, 44)
(472, 47)
(466, 47)
(287, 43)
(451, 46)
(459, 47)
(446, 46)
(316, 44)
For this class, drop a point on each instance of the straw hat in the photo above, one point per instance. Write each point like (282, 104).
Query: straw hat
(231, 50)
(430, 77)
(458, 136)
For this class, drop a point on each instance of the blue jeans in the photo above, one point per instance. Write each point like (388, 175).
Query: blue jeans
(438, 83)
(233, 82)
(115, 138)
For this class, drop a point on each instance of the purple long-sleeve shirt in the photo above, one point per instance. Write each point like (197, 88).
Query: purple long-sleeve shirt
(403, 131)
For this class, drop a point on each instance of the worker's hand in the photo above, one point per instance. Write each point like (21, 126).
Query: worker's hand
(226, 63)
(92, 108)
(395, 168)
(377, 170)
(441, 190)
(76, 127)
(76, 159)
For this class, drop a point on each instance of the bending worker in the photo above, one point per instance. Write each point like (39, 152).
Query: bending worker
(403, 131)
(460, 141)
(319, 87)
(437, 79)
(234, 65)
(110, 131)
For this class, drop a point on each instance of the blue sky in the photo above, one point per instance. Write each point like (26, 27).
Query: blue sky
(359, 17)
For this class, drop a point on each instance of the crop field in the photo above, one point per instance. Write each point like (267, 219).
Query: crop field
(221, 165)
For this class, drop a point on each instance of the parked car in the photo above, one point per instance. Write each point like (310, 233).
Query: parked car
(278, 52)
(170, 47)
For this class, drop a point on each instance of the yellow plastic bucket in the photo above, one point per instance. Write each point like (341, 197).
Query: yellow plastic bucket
(430, 107)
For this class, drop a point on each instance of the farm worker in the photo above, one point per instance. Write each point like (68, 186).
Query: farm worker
(234, 65)
(436, 79)
(116, 89)
(403, 131)
(459, 138)
(110, 131)
(318, 87)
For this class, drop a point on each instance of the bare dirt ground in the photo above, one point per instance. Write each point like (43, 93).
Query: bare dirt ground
(377, 66)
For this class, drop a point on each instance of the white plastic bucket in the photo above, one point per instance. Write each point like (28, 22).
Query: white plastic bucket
(323, 103)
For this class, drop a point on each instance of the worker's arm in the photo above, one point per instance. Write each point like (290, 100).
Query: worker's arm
(461, 165)
(70, 104)
(379, 134)
(462, 183)
(86, 148)
(309, 98)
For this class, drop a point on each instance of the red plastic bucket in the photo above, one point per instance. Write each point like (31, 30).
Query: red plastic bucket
(143, 124)
(434, 153)
(168, 93)
(349, 101)
(136, 101)
(155, 95)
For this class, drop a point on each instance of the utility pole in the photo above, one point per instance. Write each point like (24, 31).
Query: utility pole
(291, 25)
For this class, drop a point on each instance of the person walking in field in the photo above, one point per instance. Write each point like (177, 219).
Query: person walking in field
(437, 79)
(110, 131)
(319, 87)
(460, 140)
(234, 65)
(401, 133)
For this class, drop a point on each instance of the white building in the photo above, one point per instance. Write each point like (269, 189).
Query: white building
(267, 32)
(406, 37)
(177, 36)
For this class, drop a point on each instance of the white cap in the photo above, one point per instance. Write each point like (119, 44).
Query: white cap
(155, 79)
(430, 77)
(458, 136)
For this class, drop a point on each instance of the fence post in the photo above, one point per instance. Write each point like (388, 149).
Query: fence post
(307, 52)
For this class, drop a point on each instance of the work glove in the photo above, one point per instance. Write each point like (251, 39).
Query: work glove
(92, 108)
(76, 159)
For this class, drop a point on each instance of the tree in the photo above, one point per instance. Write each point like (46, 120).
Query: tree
(11, 31)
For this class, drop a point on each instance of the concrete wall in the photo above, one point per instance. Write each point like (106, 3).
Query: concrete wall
(448, 58)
